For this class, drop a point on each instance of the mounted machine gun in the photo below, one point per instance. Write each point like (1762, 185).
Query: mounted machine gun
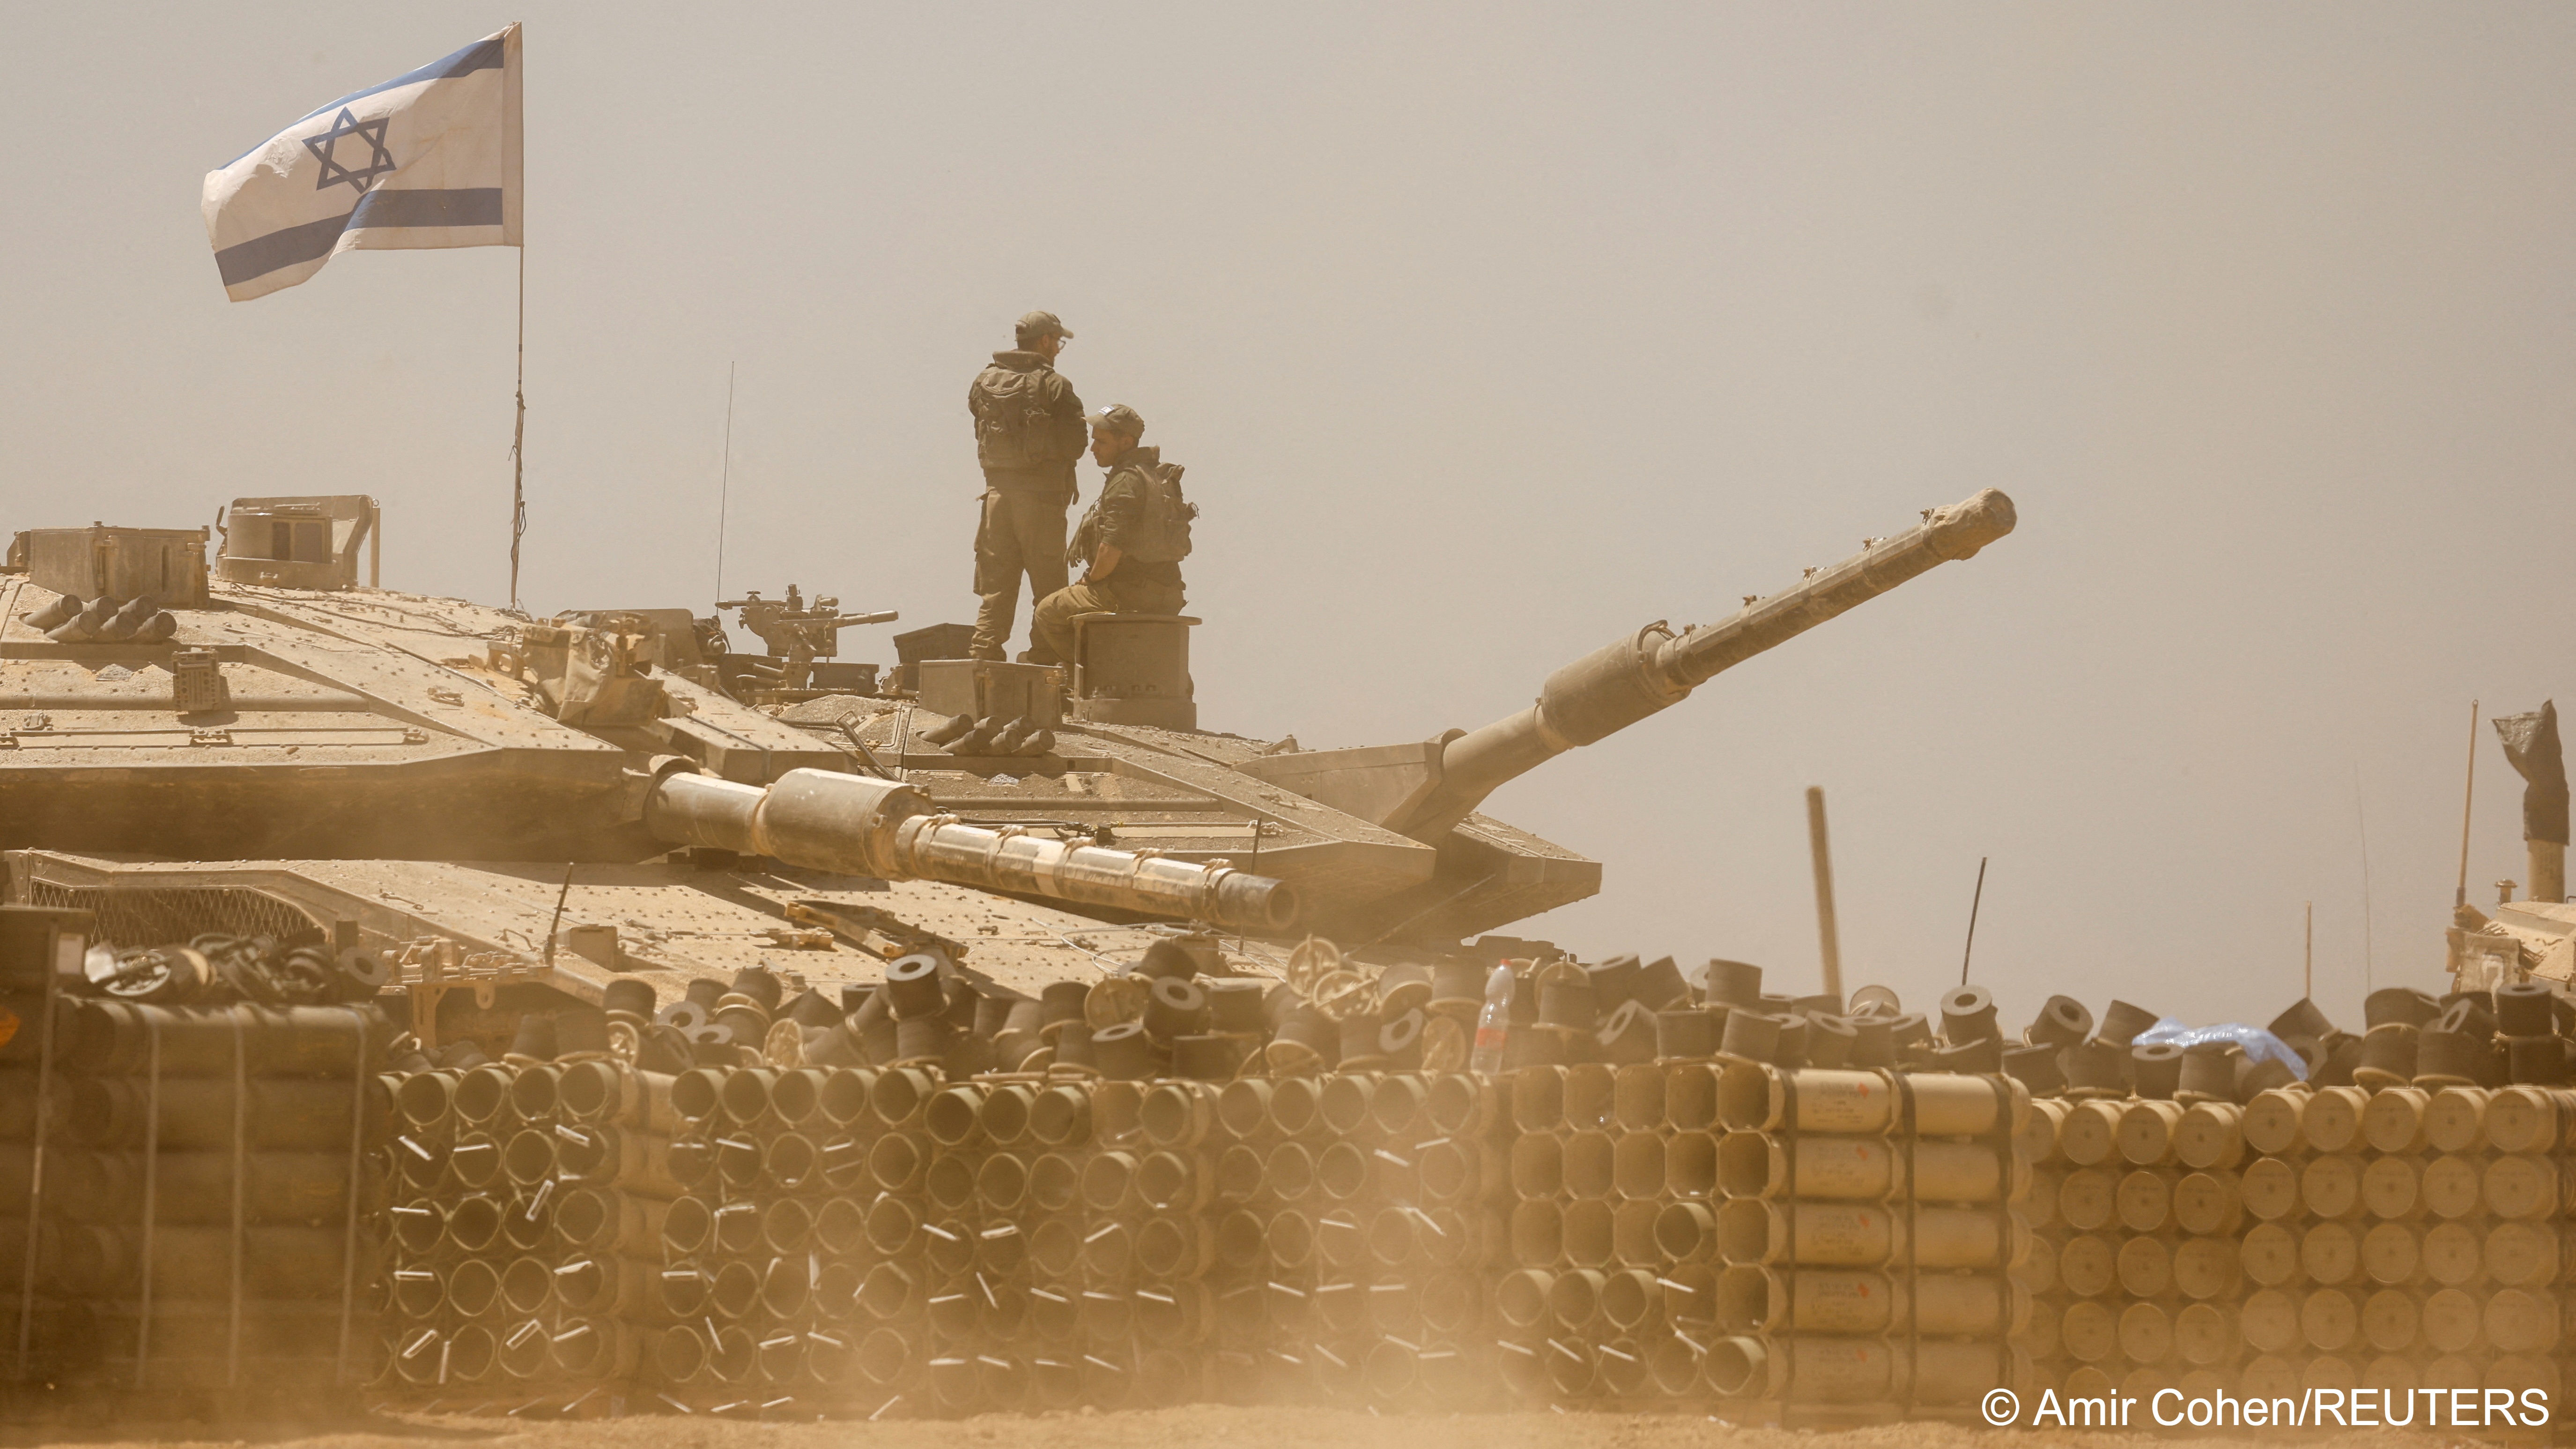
(794, 636)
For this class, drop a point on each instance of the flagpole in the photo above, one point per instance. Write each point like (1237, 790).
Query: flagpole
(519, 436)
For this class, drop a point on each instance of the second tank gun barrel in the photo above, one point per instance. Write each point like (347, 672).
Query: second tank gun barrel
(1621, 683)
(858, 825)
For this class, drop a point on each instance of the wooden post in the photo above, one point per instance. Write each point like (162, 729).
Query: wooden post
(1828, 943)
(375, 544)
(2308, 975)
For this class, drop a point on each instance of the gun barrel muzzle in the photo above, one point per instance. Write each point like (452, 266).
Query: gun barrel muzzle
(1653, 669)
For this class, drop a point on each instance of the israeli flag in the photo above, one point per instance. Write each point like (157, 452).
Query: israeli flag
(428, 159)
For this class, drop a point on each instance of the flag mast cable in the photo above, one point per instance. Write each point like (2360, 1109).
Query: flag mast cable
(519, 432)
(519, 423)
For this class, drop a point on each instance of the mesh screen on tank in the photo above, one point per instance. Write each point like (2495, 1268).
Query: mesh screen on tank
(141, 917)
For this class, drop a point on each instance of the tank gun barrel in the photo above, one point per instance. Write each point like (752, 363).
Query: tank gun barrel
(1621, 683)
(858, 825)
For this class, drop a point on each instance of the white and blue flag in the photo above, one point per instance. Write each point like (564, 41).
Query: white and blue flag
(428, 159)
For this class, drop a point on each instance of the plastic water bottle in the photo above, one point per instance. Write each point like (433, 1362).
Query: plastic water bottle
(1493, 1024)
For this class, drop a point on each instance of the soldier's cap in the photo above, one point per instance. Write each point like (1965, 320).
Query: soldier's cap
(1119, 418)
(1042, 324)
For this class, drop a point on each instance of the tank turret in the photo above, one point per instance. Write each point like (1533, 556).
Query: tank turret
(287, 759)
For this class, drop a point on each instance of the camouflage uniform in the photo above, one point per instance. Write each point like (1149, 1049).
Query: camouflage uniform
(1022, 529)
(1134, 586)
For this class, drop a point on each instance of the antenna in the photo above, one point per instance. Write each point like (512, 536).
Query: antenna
(2469, 802)
(2361, 819)
(724, 488)
(554, 927)
(1974, 902)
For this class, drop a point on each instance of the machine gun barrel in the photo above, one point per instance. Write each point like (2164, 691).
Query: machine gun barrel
(858, 825)
(1621, 683)
(836, 621)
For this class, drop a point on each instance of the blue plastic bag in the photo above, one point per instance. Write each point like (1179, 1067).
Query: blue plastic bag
(2259, 1045)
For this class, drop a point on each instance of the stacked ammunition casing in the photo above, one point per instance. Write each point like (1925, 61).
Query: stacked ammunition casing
(1358, 1229)
(209, 1202)
(1611, 1287)
(939, 1247)
(1749, 1233)
(2408, 1237)
(1058, 1247)
(2136, 1204)
(1867, 1235)
(764, 1263)
(529, 1206)
(49, 1328)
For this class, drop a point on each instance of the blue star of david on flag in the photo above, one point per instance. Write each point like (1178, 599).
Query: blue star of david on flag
(278, 211)
(335, 171)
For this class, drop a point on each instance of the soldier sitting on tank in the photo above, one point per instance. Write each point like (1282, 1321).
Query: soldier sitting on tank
(1131, 542)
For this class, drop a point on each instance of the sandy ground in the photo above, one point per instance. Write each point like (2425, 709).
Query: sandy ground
(1261, 1428)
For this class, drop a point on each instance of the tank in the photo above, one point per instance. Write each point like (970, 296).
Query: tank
(611, 793)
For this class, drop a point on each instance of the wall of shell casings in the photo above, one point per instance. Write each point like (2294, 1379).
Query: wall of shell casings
(208, 1213)
(1868, 1232)
(829, 1240)
(1736, 1239)
(875, 1240)
(2405, 1238)
(533, 1203)
(2136, 1208)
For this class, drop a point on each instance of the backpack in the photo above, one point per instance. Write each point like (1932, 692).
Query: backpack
(1014, 427)
(1163, 534)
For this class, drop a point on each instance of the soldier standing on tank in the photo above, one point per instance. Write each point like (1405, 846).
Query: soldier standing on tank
(1028, 432)
(1130, 543)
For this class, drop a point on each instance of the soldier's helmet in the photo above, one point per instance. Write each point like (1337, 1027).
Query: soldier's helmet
(1118, 418)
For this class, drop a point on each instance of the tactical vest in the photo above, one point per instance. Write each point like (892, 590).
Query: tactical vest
(1014, 425)
(1162, 532)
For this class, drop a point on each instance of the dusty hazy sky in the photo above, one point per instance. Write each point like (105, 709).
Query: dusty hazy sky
(1490, 333)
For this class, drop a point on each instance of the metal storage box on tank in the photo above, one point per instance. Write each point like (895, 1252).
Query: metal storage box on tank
(169, 564)
(987, 687)
(938, 641)
(1134, 669)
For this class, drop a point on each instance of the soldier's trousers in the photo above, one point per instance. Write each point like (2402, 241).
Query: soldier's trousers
(1022, 532)
(1052, 624)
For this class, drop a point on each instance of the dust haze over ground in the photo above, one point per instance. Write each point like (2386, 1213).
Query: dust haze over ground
(1488, 336)
(1187, 1428)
